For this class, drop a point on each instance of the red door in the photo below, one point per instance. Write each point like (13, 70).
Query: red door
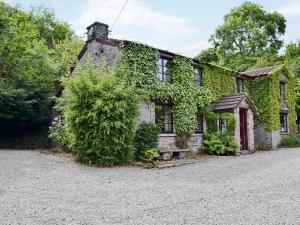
(244, 129)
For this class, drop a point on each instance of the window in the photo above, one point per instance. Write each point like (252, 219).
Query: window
(197, 76)
(163, 116)
(222, 126)
(283, 122)
(240, 85)
(199, 129)
(164, 70)
(282, 90)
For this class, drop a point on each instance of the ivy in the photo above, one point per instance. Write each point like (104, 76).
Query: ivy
(221, 81)
(212, 122)
(270, 103)
(182, 93)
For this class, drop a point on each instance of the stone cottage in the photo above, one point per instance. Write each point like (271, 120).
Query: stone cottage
(272, 90)
(227, 86)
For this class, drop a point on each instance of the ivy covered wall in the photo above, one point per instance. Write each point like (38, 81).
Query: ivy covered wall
(221, 81)
(140, 70)
(265, 93)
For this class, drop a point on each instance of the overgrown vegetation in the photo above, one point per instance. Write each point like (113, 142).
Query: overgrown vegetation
(35, 51)
(289, 141)
(150, 158)
(146, 137)
(270, 104)
(218, 144)
(187, 98)
(100, 117)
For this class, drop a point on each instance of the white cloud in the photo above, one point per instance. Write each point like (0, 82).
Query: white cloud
(136, 14)
(195, 48)
(141, 22)
(290, 10)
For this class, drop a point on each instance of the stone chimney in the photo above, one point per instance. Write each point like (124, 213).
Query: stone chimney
(97, 30)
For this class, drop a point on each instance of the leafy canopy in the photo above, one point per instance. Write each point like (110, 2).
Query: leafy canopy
(35, 51)
(248, 32)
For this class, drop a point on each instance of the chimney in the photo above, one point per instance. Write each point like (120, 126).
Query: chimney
(97, 30)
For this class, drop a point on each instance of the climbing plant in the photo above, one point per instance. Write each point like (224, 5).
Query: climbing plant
(270, 104)
(221, 81)
(182, 93)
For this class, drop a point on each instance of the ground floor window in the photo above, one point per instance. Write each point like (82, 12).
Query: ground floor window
(164, 116)
(283, 122)
(222, 126)
(199, 129)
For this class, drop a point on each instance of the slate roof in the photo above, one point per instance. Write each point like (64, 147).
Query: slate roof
(233, 101)
(260, 71)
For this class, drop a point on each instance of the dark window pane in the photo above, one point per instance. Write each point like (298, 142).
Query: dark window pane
(163, 116)
(282, 90)
(199, 123)
(197, 76)
(283, 122)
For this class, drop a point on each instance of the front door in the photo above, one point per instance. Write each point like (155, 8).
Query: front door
(244, 129)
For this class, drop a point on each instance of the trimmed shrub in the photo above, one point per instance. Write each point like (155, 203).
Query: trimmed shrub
(218, 144)
(150, 158)
(290, 141)
(100, 117)
(146, 137)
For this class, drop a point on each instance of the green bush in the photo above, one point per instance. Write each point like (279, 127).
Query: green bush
(290, 141)
(150, 158)
(218, 144)
(146, 137)
(100, 117)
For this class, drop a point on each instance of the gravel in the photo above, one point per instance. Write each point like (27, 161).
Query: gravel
(261, 188)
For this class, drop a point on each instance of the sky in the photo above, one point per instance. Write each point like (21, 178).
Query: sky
(179, 26)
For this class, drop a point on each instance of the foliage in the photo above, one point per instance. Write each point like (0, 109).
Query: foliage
(209, 55)
(29, 67)
(212, 122)
(59, 134)
(289, 141)
(249, 31)
(218, 144)
(292, 58)
(220, 81)
(182, 93)
(146, 137)
(150, 158)
(185, 108)
(100, 117)
(270, 104)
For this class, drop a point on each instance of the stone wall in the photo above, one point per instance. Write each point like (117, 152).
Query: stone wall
(167, 142)
(97, 52)
(266, 140)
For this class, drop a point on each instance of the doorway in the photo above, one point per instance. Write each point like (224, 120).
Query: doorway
(244, 129)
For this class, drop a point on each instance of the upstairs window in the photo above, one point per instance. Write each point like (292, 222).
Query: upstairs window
(164, 116)
(240, 85)
(283, 122)
(197, 76)
(199, 129)
(164, 70)
(282, 90)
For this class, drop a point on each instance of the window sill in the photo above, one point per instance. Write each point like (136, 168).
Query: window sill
(167, 135)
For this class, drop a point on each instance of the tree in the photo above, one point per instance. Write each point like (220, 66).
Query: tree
(292, 58)
(248, 32)
(209, 55)
(34, 54)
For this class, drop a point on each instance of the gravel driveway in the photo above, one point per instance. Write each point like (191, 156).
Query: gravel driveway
(262, 188)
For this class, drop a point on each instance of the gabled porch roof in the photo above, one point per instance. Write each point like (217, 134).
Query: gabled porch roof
(233, 101)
